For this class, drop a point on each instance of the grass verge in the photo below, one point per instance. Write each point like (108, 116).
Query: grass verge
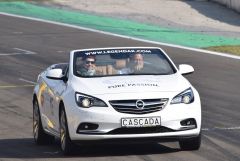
(122, 27)
(231, 49)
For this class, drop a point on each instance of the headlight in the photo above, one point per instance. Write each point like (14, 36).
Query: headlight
(87, 101)
(184, 97)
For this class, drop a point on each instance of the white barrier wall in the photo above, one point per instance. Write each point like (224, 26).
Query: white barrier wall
(234, 4)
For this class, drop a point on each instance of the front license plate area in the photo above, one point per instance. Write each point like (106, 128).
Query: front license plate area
(141, 122)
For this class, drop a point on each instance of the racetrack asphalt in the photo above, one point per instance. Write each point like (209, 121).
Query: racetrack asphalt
(27, 47)
(120, 26)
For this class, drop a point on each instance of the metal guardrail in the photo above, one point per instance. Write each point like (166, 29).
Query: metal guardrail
(233, 4)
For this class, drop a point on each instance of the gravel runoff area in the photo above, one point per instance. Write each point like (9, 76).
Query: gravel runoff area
(200, 16)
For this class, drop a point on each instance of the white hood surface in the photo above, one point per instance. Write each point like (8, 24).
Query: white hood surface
(130, 84)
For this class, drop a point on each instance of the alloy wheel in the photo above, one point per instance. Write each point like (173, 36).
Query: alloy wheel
(35, 120)
(63, 130)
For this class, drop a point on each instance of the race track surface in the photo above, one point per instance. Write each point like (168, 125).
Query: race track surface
(27, 47)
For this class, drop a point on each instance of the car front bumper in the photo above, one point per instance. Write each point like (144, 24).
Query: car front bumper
(109, 121)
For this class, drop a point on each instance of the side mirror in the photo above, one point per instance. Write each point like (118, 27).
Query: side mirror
(185, 69)
(55, 74)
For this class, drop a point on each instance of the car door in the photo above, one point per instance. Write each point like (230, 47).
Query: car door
(43, 101)
(55, 90)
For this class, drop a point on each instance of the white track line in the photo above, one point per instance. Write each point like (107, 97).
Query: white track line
(28, 81)
(221, 128)
(25, 51)
(127, 37)
(9, 54)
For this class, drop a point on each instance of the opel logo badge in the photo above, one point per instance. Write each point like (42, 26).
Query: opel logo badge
(140, 104)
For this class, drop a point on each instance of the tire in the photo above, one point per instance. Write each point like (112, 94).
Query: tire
(40, 137)
(191, 144)
(67, 146)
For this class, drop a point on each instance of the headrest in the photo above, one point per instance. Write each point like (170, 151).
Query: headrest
(120, 63)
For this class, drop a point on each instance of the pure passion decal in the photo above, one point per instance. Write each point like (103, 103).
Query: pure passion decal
(133, 85)
(114, 83)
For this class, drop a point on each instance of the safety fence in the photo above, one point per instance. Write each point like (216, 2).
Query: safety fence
(234, 4)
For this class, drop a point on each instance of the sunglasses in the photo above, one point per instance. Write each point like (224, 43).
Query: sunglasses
(90, 62)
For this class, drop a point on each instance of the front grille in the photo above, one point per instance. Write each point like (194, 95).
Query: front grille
(145, 106)
(141, 130)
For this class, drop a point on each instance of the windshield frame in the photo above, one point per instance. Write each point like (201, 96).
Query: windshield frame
(84, 51)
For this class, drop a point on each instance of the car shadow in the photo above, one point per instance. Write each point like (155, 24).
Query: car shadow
(26, 148)
(215, 11)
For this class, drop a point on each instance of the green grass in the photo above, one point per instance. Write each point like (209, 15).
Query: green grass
(231, 49)
(122, 27)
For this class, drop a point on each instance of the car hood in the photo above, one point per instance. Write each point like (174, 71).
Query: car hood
(130, 84)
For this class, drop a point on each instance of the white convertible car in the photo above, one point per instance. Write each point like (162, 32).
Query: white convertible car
(115, 95)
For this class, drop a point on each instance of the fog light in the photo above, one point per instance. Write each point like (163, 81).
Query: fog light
(86, 126)
(189, 122)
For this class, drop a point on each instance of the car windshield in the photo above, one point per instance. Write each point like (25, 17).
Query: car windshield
(117, 62)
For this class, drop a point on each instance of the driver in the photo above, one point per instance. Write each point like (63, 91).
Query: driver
(88, 68)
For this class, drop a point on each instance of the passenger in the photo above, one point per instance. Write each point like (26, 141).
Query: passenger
(88, 68)
(136, 63)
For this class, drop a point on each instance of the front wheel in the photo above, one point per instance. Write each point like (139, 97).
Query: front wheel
(66, 143)
(40, 137)
(191, 144)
